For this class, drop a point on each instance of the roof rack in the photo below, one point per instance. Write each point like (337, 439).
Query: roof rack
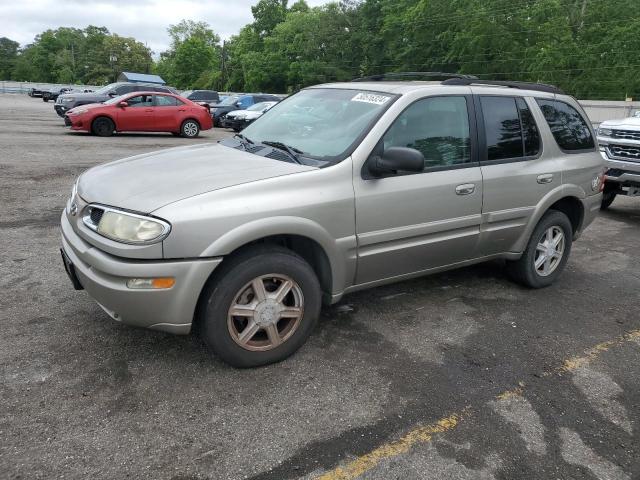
(538, 87)
(431, 75)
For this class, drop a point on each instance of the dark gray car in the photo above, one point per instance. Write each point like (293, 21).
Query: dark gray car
(66, 102)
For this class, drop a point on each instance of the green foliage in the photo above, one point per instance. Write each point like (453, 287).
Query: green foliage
(590, 48)
(193, 61)
(70, 55)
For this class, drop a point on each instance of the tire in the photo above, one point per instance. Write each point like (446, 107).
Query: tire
(190, 128)
(103, 127)
(45, 99)
(271, 267)
(607, 199)
(524, 270)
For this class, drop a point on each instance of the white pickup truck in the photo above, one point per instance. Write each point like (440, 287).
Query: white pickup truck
(620, 147)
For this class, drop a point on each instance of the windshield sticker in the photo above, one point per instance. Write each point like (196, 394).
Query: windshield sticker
(371, 98)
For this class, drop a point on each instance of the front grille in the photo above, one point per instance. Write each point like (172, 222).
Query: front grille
(95, 215)
(625, 134)
(625, 151)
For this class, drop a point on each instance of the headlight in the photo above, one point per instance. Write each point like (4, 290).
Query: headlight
(604, 132)
(125, 227)
(78, 111)
(69, 99)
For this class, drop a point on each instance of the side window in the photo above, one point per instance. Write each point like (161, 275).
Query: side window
(530, 130)
(502, 128)
(166, 101)
(246, 102)
(568, 127)
(438, 127)
(141, 101)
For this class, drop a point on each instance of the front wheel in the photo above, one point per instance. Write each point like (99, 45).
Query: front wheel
(262, 308)
(607, 199)
(190, 129)
(547, 252)
(103, 127)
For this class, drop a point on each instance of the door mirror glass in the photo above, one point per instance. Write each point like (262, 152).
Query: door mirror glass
(396, 159)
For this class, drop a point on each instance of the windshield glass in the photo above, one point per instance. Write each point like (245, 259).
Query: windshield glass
(186, 93)
(115, 100)
(321, 122)
(258, 106)
(106, 88)
(229, 100)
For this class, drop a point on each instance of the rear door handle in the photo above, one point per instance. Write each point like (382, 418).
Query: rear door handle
(545, 178)
(465, 189)
(148, 109)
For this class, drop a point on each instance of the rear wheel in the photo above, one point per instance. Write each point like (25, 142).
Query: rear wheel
(262, 308)
(190, 128)
(103, 127)
(547, 252)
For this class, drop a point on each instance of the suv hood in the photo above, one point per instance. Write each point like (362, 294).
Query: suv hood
(147, 182)
(632, 122)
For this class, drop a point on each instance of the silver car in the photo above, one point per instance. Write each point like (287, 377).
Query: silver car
(338, 188)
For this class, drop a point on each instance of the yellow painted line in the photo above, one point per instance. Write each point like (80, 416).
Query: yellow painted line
(424, 434)
(368, 461)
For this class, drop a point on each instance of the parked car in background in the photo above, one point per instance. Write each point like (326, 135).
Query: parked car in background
(141, 112)
(209, 97)
(619, 142)
(34, 92)
(238, 102)
(68, 101)
(238, 119)
(54, 93)
(340, 188)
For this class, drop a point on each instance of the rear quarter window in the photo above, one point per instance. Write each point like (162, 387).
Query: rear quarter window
(567, 125)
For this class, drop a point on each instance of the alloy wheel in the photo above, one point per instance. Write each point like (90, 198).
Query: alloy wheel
(549, 251)
(190, 129)
(266, 312)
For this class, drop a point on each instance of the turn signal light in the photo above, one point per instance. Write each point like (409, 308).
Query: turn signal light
(151, 283)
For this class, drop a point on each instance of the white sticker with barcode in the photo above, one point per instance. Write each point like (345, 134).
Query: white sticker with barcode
(370, 98)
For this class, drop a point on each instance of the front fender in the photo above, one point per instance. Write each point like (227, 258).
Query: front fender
(341, 252)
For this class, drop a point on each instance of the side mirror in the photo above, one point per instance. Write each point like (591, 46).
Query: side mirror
(396, 159)
(112, 94)
(123, 104)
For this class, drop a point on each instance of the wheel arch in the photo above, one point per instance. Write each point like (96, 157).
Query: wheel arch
(333, 260)
(566, 199)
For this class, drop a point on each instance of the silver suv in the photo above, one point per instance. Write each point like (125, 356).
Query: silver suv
(338, 188)
(619, 142)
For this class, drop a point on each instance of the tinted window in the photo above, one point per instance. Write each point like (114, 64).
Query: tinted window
(438, 127)
(245, 101)
(529, 129)
(166, 101)
(502, 128)
(141, 101)
(569, 128)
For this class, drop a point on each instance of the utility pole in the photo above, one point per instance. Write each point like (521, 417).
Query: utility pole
(223, 65)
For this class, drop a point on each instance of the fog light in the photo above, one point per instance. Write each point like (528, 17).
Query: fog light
(151, 283)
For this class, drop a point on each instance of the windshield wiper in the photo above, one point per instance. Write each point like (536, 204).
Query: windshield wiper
(243, 140)
(292, 151)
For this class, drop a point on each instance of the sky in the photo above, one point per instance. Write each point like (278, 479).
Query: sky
(145, 20)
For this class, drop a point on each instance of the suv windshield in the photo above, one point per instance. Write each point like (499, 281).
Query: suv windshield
(116, 100)
(322, 123)
(106, 88)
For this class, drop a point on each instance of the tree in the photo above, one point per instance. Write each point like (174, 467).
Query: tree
(8, 57)
(194, 57)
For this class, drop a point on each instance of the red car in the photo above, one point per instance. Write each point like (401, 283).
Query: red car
(141, 112)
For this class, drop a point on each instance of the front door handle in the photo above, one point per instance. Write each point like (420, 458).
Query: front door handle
(148, 109)
(545, 178)
(465, 189)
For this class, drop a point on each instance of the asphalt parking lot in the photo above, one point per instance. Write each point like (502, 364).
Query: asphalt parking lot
(461, 375)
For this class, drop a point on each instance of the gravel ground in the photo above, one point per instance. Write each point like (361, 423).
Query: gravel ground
(461, 375)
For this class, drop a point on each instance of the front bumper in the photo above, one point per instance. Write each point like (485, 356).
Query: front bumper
(60, 109)
(104, 277)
